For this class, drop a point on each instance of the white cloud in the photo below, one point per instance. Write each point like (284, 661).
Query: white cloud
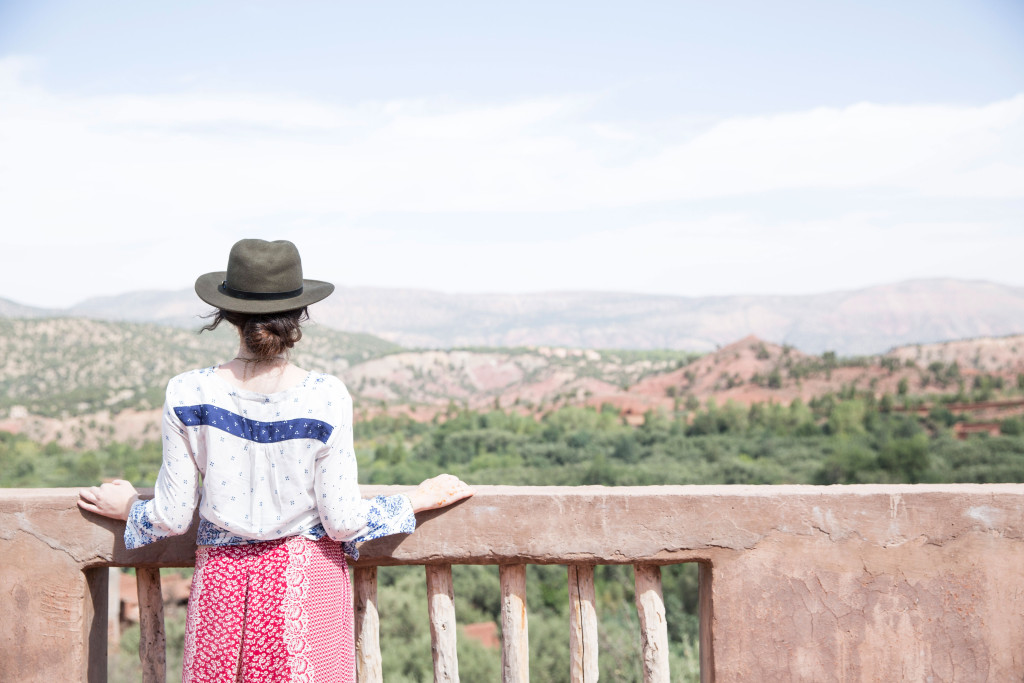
(187, 169)
(722, 254)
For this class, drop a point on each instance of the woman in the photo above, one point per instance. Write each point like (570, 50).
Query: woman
(272, 444)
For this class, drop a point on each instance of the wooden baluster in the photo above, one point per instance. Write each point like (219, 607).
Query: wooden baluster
(152, 643)
(582, 625)
(650, 607)
(441, 606)
(113, 608)
(368, 661)
(706, 610)
(515, 642)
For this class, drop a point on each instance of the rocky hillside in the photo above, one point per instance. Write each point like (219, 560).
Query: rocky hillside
(754, 371)
(532, 378)
(987, 354)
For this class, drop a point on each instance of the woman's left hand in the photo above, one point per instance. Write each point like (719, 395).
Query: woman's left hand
(112, 500)
(441, 491)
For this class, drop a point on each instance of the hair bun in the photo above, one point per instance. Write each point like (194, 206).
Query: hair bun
(266, 336)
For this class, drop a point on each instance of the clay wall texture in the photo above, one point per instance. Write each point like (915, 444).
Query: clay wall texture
(803, 583)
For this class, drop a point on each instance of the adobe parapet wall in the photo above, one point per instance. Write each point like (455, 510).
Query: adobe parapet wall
(841, 583)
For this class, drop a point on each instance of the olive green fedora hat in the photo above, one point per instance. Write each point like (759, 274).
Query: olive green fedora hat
(262, 277)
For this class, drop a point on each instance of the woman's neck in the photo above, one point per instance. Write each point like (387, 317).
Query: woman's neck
(262, 375)
(253, 365)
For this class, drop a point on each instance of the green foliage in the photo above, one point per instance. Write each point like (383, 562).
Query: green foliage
(24, 463)
(942, 374)
(985, 386)
(890, 364)
(942, 415)
(851, 438)
(847, 417)
(1013, 426)
(832, 439)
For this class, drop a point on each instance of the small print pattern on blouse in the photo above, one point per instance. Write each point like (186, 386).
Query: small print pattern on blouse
(261, 467)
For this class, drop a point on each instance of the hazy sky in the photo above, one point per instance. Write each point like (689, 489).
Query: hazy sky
(690, 148)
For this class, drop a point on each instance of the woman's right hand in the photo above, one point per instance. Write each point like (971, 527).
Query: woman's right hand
(438, 492)
(113, 499)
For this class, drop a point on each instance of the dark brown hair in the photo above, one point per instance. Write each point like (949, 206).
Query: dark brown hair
(265, 335)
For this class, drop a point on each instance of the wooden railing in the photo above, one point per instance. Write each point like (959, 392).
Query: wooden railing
(796, 582)
(515, 659)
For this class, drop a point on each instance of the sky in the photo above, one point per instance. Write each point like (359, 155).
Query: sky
(685, 148)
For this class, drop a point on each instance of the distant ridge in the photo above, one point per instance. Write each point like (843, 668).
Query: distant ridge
(11, 309)
(863, 321)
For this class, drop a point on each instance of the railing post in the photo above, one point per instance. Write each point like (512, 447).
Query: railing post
(113, 608)
(707, 653)
(152, 643)
(515, 641)
(368, 660)
(582, 625)
(441, 607)
(650, 607)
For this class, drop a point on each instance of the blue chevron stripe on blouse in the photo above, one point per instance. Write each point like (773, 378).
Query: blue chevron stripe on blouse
(253, 430)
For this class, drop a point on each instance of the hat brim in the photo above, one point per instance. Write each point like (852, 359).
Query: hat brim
(207, 288)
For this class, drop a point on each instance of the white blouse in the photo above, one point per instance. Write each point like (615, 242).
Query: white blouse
(271, 465)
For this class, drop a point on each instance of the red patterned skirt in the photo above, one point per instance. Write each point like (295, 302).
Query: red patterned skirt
(270, 612)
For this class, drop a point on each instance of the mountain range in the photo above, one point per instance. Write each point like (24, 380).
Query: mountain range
(853, 322)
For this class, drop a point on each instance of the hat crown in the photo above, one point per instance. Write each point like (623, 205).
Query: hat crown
(262, 277)
(264, 267)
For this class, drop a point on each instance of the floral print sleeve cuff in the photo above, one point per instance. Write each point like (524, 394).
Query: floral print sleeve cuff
(385, 515)
(388, 515)
(139, 529)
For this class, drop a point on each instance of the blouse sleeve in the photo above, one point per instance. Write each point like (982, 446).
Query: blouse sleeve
(343, 513)
(176, 493)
